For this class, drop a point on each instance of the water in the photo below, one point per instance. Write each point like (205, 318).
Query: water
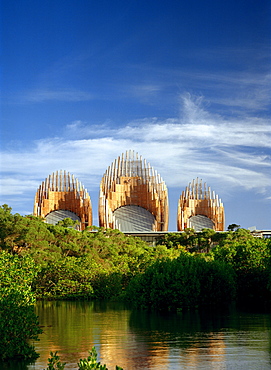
(141, 340)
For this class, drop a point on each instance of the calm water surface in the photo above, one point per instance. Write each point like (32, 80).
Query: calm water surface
(141, 340)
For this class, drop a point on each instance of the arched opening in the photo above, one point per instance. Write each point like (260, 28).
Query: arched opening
(55, 216)
(133, 218)
(200, 222)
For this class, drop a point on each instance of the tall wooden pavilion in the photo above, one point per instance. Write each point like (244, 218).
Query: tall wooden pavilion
(61, 196)
(199, 208)
(133, 196)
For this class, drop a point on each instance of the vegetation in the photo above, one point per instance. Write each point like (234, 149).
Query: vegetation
(193, 241)
(76, 265)
(250, 258)
(89, 363)
(233, 227)
(18, 322)
(185, 282)
(185, 270)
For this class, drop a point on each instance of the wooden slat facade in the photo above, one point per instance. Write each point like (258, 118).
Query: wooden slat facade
(62, 191)
(130, 180)
(198, 199)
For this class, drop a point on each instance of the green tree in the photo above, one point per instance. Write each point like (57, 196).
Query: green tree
(187, 239)
(68, 222)
(185, 282)
(233, 227)
(19, 233)
(205, 239)
(249, 256)
(18, 322)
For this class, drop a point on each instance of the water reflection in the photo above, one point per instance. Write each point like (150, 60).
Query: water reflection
(204, 340)
(144, 340)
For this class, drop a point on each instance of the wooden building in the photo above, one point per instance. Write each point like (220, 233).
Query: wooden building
(199, 208)
(133, 196)
(63, 196)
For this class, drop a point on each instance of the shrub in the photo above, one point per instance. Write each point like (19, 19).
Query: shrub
(88, 363)
(18, 322)
(65, 278)
(186, 281)
(107, 285)
(250, 258)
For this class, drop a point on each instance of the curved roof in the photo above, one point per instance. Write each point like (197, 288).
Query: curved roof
(133, 218)
(55, 216)
(200, 222)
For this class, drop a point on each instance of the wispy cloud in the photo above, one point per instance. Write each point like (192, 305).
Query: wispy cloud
(234, 79)
(245, 91)
(228, 86)
(64, 94)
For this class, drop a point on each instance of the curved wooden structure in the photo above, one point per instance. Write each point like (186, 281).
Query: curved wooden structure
(200, 208)
(60, 196)
(131, 181)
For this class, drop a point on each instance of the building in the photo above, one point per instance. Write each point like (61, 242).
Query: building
(133, 196)
(266, 234)
(200, 208)
(63, 196)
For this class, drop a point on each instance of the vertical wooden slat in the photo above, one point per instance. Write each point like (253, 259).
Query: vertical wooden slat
(57, 191)
(204, 202)
(132, 181)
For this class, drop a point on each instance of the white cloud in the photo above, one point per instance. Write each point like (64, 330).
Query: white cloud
(226, 153)
(16, 185)
(198, 128)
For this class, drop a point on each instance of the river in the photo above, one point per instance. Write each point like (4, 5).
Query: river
(135, 339)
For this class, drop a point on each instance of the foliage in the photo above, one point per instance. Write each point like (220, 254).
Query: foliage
(68, 278)
(54, 362)
(186, 281)
(191, 240)
(68, 222)
(242, 251)
(89, 363)
(91, 265)
(250, 258)
(233, 227)
(18, 322)
(101, 263)
(18, 233)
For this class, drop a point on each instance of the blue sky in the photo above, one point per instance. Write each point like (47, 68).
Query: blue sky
(184, 83)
